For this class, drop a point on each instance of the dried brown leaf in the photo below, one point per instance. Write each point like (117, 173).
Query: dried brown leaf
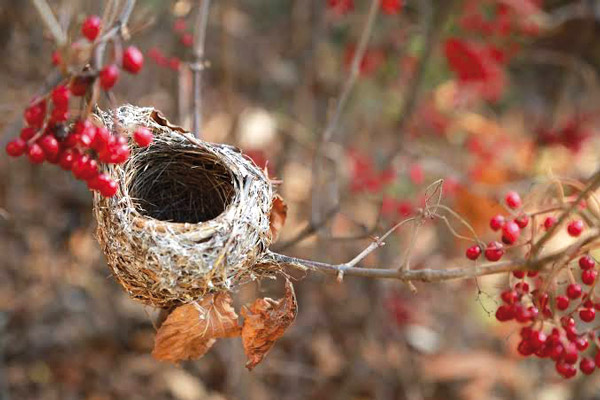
(161, 120)
(277, 217)
(265, 321)
(191, 330)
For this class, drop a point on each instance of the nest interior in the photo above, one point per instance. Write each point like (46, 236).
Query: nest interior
(181, 186)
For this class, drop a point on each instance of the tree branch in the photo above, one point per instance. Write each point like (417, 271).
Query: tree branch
(198, 65)
(50, 21)
(354, 72)
(431, 275)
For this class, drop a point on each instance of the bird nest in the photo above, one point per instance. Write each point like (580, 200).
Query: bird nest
(190, 217)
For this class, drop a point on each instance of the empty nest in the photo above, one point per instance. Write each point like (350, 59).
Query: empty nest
(190, 217)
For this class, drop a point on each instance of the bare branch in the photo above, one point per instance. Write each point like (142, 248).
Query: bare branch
(341, 104)
(50, 21)
(434, 275)
(198, 65)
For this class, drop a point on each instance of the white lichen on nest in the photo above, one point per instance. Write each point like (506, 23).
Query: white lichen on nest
(189, 217)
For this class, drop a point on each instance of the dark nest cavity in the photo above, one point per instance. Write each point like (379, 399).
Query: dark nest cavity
(180, 184)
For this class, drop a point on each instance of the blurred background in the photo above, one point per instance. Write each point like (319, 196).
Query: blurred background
(486, 94)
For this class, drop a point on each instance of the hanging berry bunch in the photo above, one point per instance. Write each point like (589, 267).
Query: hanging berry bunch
(557, 307)
(57, 133)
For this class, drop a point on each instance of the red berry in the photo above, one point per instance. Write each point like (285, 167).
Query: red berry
(49, 144)
(565, 370)
(494, 251)
(522, 287)
(497, 222)
(187, 40)
(59, 115)
(525, 348)
(522, 221)
(522, 314)
(473, 252)
(179, 25)
(575, 227)
(587, 365)
(587, 314)
(532, 274)
(513, 200)
(570, 355)
(79, 85)
(519, 274)
(504, 313)
(80, 167)
(573, 291)
(98, 182)
(588, 276)
(72, 140)
(133, 60)
(66, 159)
(510, 232)
(142, 136)
(582, 344)
(597, 358)
(109, 76)
(91, 27)
(35, 114)
(102, 139)
(556, 350)
(391, 7)
(562, 302)
(586, 262)
(16, 147)
(60, 97)
(509, 296)
(36, 154)
(109, 189)
(537, 339)
(549, 222)
(27, 133)
(56, 58)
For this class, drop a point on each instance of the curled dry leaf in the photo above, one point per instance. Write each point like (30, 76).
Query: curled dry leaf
(191, 330)
(265, 321)
(278, 216)
(161, 120)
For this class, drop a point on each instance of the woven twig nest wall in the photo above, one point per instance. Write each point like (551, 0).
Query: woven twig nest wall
(189, 217)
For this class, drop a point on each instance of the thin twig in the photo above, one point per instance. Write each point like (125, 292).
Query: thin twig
(117, 29)
(50, 21)
(333, 122)
(198, 65)
(431, 275)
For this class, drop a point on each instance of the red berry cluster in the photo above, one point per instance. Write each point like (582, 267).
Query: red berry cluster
(547, 312)
(77, 146)
(51, 134)
(571, 134)
(510, 229)
(478, 68)
(365, 175)
(551, 329)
